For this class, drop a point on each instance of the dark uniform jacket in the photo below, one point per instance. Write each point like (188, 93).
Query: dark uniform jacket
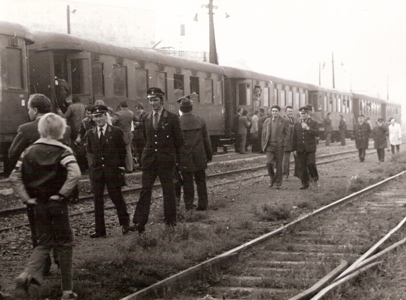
(196, 150)
(27, 134)
(282, 132)
(380, 134)
(108, 155)
(305, 140)
(162, 145)
(361, 134)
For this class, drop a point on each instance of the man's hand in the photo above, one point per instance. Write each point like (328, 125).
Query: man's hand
(32, 201)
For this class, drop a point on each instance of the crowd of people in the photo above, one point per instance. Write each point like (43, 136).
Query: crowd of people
(51, 152)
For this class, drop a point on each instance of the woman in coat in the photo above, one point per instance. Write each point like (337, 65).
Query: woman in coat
(379, 135)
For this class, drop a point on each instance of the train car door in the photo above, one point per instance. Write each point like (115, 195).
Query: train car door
(244, 94)
(80, 74)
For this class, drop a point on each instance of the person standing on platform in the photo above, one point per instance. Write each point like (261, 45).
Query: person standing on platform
(74, 116)
(106, 145)
(288, 147)
(195, 153)
(243, 127)
(395, 135)
(164, 139)
(255, 139)
(380, 135)
(362, 131)
(328, 128)
(44, 176)
(275, 136)
(342, 127)
(123, 119)
(235, 130)
(304, 145)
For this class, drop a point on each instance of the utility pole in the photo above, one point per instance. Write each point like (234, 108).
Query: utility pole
(332, 62)
(212, 39)
(68, 17)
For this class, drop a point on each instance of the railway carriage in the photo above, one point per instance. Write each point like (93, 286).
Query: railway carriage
(372, 108)
(101, 71)
(14, 84)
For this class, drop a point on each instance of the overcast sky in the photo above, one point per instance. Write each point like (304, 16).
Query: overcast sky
(285, 38)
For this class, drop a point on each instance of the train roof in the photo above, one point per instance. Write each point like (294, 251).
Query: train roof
(328, 90)
(356, 95)
(59, 41)
(14, 29)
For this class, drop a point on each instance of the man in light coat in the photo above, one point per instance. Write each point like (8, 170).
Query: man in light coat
(195, 153)
(395, 135)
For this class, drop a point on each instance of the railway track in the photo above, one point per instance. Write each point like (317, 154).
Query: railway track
(227, 177)
(298, 259)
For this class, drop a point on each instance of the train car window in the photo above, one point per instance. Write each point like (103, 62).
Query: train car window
(141, 83)
(80, 76)
(289, 98)
(120, 80)
(275, 96)
(242, 94)
(296, 100)
(98, 78)
(302, 99)
(266, 97)
(257, 96)
(218, 92)
(208, 90)
(282, 98)
(194, 87)
(14, 68)
(161, 83)
(178, 86)
(339, 105)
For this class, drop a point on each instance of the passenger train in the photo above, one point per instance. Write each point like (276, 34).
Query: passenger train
(30, 62)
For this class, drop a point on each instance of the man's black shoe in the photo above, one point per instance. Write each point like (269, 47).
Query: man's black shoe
(303, 187)
(126, 229)
(201, 208)
(97, 235)
(140, 228)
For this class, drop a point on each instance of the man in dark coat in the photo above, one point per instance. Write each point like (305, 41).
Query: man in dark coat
(196, 152)
(328, 128)
(74, 116)
(275, 135)
(138, 132)
(380, 136)
(288, 147)
(362, 131)
(342, 127)
(304, 145)
(164, 140)
(106, 145)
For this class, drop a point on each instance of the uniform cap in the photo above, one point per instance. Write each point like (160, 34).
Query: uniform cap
(304, 108)
(98, 109)
(154, 92)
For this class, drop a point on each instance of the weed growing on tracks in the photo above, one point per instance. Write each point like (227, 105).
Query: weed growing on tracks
(272, 212)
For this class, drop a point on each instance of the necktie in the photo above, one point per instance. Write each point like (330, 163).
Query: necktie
(155, 123)
(101, 135)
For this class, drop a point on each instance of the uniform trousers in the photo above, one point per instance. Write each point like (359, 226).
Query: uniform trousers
(53, 231)
(116, 197)
(149, 176)
(392, 148)
(274, 154)
(286, 162)
(189, 191)
(308, 170)
(361, 154)
(381, 154)
(242, 143)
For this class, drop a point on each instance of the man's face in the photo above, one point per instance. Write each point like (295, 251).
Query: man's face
(100, 119)
(392, 121)
(361, 119)
(303, 114)
(32, 112)
(289, 112)
(275, 112)
(155, 103)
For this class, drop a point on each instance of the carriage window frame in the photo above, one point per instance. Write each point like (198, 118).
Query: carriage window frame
(162, 82)
(14, 62)
(208, 91)
(195, 88)
(98, 78)
(80, 76)
(218, 92)
(141, 78)
(178, 85)
(120, 81)
(267, 99)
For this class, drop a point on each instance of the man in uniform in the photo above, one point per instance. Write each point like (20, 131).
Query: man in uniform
(164, 139)
(106, 145)
(288, 147)
(196, 152)
(275, 135)
(362, 131)
(304, 142)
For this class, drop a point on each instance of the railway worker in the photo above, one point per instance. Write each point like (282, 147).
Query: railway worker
(275, 136)
(243, 129)
(235, 129)
(255, 140)
(138, 132)
(342, 127)
(304, 145)
(395, 135)
(108, 114)
(44, 176)
(288, 116)
(38, 105)
(74, 116)
(328, 128)
(195, 153)
(106, 144)
(261, 121)
(164, 140)
(362, 131)
(380, 134)
(123, 119)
